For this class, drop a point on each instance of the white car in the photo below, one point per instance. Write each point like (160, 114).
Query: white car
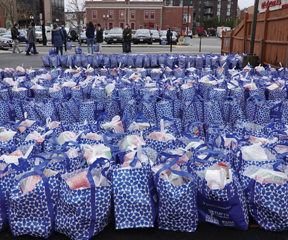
(38, 31)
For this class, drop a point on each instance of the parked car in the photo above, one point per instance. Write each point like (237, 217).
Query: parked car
(190, 34)
(38, 30)
(133, 33)
(73, 34)
(142, 36)
(83, 37)
(2, 31)
(156, 37)
(105, 33)
(6, 40)
(114, 36)
(164, 37)
(4, 45)
(22, 37)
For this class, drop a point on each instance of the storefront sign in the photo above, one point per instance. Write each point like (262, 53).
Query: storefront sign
(270, 4)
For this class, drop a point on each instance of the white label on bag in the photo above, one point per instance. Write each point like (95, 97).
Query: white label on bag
(211, 219)
(228, 223)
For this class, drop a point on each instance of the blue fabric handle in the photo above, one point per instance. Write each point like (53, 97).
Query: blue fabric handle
(93, 190)
(277, 164)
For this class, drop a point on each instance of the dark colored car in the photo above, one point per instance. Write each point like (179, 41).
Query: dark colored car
(142, 36)
(114, 36)
(4, 46)
(156, 37)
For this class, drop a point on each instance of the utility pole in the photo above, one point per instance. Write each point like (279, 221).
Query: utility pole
(255, 13)
(187, 22)
(182, 16)
(42, 22)
(201, 23)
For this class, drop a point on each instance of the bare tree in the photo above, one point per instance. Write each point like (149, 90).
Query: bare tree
(13, 11)
(78, 8)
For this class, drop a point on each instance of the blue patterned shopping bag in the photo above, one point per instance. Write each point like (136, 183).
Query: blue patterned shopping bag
(33, 213)
(134, 197)
(232, 110)
(83, 213)
(267, 202)
(180, 201)
(7, 179)
(69, 111)
(164, 108)
(224, 207)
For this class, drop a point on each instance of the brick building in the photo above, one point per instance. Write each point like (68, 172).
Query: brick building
(210, 8)
(140, 14)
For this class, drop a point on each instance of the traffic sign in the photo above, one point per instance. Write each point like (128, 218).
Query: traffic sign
(200, 29)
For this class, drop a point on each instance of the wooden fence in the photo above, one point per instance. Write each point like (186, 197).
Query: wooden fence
(271, 37)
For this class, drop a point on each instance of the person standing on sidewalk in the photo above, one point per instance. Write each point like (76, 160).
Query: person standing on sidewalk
(65, 37)
(31, 36)
(90, 34)
(57, 38)
(99, 37)
(168, 36)
(127, 36)
(15, 38)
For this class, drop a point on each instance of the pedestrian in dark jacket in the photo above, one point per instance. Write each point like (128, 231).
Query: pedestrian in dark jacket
(168, 35)
(65, 37)
(57, 38)
(90, 34)
(127, 38)
(99, 37)
(15, 38)
(31, 36)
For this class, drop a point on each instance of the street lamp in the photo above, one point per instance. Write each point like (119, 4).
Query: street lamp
(106, 17)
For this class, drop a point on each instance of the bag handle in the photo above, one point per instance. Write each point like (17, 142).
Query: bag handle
(37, 170)
(170, 165)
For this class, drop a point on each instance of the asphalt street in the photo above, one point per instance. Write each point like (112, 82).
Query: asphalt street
(209, 45)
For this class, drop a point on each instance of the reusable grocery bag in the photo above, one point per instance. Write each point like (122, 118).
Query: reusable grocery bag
(7, 178)
(52, 51)
(224, 206)
(134, 196)
(78, 50)
(177, 209)
(32, 213)
(267, 200)
(68, 45)
(84, 203)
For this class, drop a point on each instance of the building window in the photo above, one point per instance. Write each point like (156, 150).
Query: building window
(121, 15)
(228, 9)
(146, 15)
(199, 10)
(110, 14)
(218, 9)
(132, 25)
(94, 14)
(132, 15)
(110, 25)
(121, 25)
(152, 15)
(200, 2)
